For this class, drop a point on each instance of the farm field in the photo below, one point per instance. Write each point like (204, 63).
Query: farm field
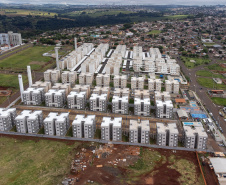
(199, 61)
(209, 83)
(31, 56)
(19, 12)
(219, 101)
(98, 13)
(34, 162)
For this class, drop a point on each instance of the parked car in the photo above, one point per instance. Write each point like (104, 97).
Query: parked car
(221, 144)
(221, 114)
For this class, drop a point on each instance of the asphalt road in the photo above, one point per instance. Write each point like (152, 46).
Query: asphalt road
(202, 92)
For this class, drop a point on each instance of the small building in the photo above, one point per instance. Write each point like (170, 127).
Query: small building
(219, 167)
(180, 101)
(182, 114)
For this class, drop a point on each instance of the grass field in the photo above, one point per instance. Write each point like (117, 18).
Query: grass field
(199, 61)
(219, 101)
(208, 74)
(209, 83)
(31, 56)
(176, 16)
(19, 12)
(30, 162)
(216, 67)
(154, 32)
(209, 44)
(7, 80)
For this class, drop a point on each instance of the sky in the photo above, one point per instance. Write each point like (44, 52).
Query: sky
(124, 2)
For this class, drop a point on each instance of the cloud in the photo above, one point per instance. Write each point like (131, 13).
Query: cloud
(119, 2)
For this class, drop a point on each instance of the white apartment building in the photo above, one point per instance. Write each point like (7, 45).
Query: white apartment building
(138, 65)
(52, 75)
(155, 53)
(39, 84)
(55, 124)
(112, 67)
(121, 92)
(98, 102)
(167, 134)
(103, 80)
(86, 78)
(7, 119)
(137, 83)
(84, 126)
(10, 38)
(69, 77)
(55, 98)
(195, 137)
(82, 88)
(29, 121)
(61, 86)
(120, 104)
(141, 94)
(142, 106)
(102, 90)
(120, 81)
(32, 96)
(139, 131)
(164, 109)
(76, 100)
(149, 65)
(111, 129)
(162, 96)
(154, 84)
(162, 68)
(174, 69)
(172, 86)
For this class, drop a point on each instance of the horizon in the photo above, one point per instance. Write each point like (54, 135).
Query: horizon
(118, 2)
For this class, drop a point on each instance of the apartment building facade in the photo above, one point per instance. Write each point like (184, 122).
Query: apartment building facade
(111, 129)
(84, 126)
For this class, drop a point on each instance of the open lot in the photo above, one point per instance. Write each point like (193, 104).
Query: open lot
(37, 161)
(34, 162)
(198, 61)
(31, 56)
(118, 164)
(20, 12)
(219, 101)
(209, 83)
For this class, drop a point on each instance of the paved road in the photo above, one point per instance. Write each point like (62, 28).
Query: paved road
(97, 140)
(202, 93)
